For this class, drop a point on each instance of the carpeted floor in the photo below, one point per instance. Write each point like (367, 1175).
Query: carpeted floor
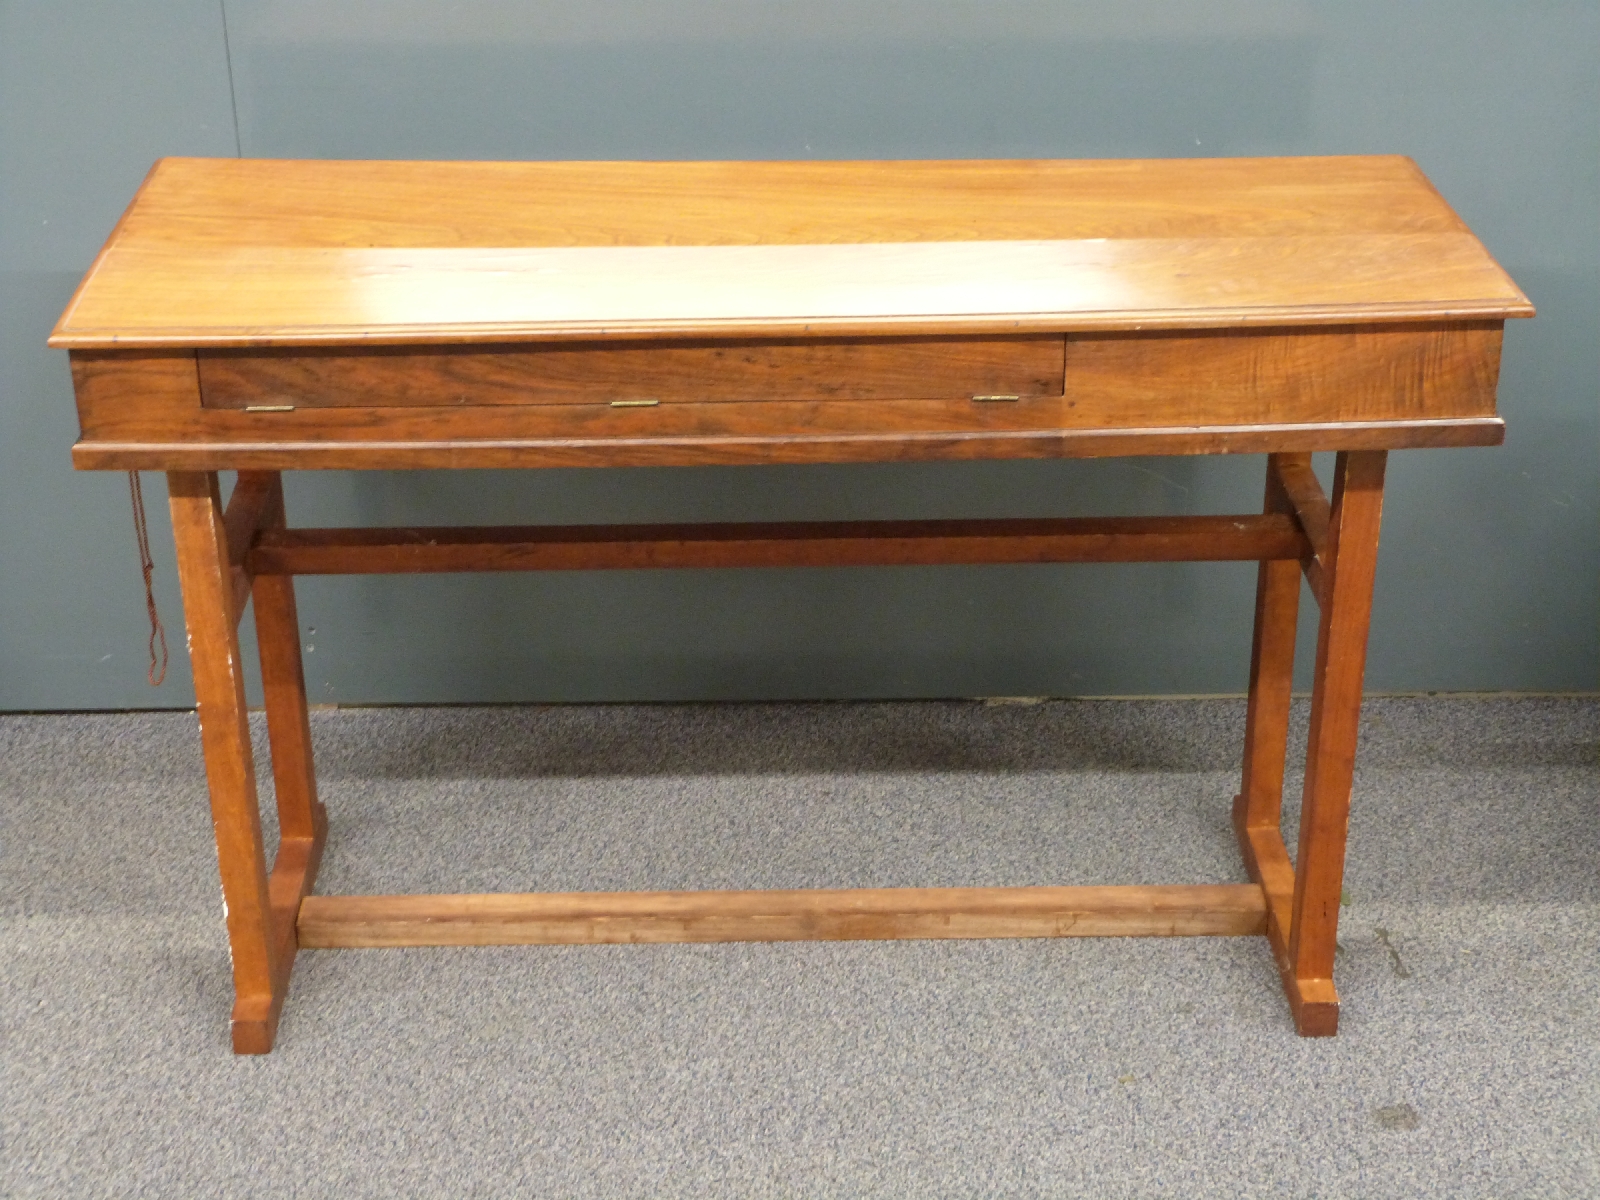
(1468, 1064)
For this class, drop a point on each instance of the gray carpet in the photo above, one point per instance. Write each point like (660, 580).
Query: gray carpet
(1468, 1062)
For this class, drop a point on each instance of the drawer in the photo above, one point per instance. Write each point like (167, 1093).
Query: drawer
(634, 372)
(1274, 376)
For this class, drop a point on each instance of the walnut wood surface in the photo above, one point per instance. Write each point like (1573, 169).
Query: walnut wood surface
(300, 814)
(1266, 727)
(1304, 494)
(1266, 859)
(1114, 380)
(1325, 388)
(599, 373)
(799, 544)
(391, 315)
(1313, 1001)
(376, 452)
(261, 905)
(1274, 377)
(265, 202)
(230, 252)
(185, 295)
(1302, 490)
(250, 508)
(512, 298)
(302, 820)
(1258, 809)
(769, 916)
(1355, 512)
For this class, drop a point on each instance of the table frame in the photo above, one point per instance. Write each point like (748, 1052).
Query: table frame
(229, 556)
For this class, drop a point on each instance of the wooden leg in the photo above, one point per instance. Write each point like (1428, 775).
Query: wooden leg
(206, 575)
(300, 815)
(261, 908)
(1348, 575)
(1257, 808)
(302, 821)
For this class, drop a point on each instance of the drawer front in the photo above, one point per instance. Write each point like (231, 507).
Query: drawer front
(634, 373)
(1168, 392)
(1283, 377)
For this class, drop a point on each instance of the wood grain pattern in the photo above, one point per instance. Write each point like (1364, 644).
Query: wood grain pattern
(797, 544)
(1114, 381)
(261, 905)
(267, 202)
(1267, 860)
(1189, 393)
(770, 916)
(1303, 492)
(300, 814)
(293, 875)
(302, 820)
(256, 498)
(249, 507)
(1349, 571)
(372, 451)
(1313, 1001)
(1311, 509)
(1257, 809)
(221, 252)
(260, 968)
(1232, 377)
(136, 388)
(408, 315)
(1266, 726)
(599, 373)
(184, 295)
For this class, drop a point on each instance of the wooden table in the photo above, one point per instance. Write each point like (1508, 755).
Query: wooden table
(260, 316)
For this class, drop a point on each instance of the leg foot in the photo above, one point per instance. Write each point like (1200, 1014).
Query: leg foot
(255, 1023)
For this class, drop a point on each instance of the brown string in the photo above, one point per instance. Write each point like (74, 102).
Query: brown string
(157, 671)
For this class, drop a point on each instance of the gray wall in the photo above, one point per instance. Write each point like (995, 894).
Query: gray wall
(1491, 559)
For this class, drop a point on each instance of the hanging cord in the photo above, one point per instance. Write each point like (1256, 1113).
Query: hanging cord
(157, 671)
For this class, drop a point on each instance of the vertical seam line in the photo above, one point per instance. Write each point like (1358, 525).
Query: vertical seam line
(233, 95)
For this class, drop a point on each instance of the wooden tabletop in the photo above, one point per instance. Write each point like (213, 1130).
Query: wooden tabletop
(240, 252)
